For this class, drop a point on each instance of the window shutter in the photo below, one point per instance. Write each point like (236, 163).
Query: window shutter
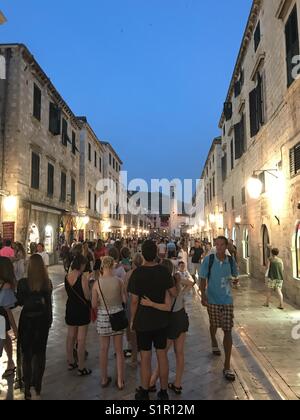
(238, 141)
(253, 113)
(224, 167)
(63, 187)
(292, 42)
(35, 171)
(54, 119)
(228, 110)
(292, 162)
(73, 191)
(50, 188)
(237, 88)
(64, 132)
(231, 155)
(257, 37)
(37, 102)
(260, 102)
(297, 158)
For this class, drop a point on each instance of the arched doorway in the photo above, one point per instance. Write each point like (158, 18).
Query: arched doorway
(266, 245)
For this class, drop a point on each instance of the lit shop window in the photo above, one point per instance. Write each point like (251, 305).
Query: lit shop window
(33, 238)
(49, 239)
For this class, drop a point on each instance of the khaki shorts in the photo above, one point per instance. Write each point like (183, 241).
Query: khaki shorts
(221, 316)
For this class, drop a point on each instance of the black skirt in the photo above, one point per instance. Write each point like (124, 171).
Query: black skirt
(179, 324)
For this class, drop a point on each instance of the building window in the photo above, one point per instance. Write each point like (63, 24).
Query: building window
(35, 171)
(37, 102)
(298, 250)
(239, 137)
(266, 245)
(227, 113)
(64, 132)
(54, 119)
(231, 155)
(50, 187)
(295, 160)
(257, 37)
(214, 186)
(110, 159)
(232, 203)
(63, 187)
(256, 104)
(49, 242)
(95, 159)
(74, 143)
(292, 43)
(73, 192)
(243, 195)
(89, 200)
(100, 164)
(90, 152)
(95, 202)
(225, 207)
(224, 167)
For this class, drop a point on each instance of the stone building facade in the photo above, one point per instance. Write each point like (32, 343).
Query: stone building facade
(261, 142)
(91, 172)
(211, 179)
(113, 219)
(39, 155)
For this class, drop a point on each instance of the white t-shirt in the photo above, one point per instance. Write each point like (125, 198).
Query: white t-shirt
(45, 257)
(214, 251)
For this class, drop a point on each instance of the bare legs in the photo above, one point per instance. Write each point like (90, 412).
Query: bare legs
(104, 348)
(77, 334)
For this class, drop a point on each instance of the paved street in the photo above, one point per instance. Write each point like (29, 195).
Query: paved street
(266, 357)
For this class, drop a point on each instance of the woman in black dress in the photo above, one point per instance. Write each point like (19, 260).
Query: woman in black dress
(78, 313)
(34, 295)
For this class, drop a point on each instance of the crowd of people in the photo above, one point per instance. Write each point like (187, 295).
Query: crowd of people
(133, 288)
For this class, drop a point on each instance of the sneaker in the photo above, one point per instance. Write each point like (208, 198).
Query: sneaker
(163, 395)
(142, 395)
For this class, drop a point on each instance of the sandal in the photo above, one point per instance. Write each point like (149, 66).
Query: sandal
(152, 389)
(175, 389)
(108, 382)
(229, 375)
(72, 366)
(84, 372)
(216, 351)
(9, 372)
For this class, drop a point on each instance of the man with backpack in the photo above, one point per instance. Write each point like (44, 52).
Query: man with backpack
(217, 271)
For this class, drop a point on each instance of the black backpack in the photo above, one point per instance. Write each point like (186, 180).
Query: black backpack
(211, 263)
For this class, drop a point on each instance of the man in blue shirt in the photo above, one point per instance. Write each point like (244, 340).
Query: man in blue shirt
(216, 274)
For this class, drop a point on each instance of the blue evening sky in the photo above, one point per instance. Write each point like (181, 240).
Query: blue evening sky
(150, 75)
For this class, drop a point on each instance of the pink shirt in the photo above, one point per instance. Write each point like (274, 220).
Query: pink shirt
(7, 252)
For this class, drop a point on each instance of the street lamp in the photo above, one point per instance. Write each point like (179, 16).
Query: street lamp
(254, 184)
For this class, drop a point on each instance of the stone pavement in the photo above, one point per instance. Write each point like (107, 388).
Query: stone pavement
(267, 350)
(271, 335)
